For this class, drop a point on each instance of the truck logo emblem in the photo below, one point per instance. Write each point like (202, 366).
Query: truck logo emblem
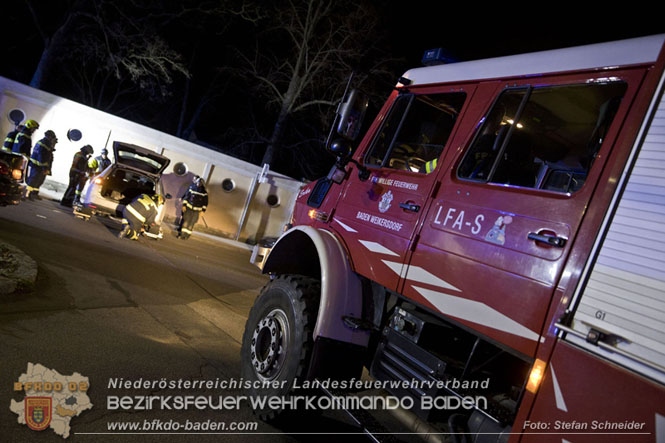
(384, 204)
(497, 234)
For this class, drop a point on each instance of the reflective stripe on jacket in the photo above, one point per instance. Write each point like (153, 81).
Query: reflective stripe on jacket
(22, 144)
(430, 166)
(196, 198)
(98, 164)
(143, 208)
(9, 141)
(42, 155)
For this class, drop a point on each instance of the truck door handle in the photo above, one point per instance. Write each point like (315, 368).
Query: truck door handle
(409, 207)
(552, 240)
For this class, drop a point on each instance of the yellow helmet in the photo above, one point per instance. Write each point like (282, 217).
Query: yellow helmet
(31, 124)
(158, 199)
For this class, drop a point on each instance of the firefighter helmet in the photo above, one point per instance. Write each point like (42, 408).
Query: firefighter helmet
(87, 149)
(31, 124)
(52, 137)
(158, 199)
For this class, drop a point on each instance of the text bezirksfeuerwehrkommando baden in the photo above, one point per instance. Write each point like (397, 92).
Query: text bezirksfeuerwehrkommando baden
(309, 401)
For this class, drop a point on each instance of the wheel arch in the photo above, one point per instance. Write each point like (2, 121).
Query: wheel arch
(318, 253)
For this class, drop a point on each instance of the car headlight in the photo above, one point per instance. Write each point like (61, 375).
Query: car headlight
(17, 174)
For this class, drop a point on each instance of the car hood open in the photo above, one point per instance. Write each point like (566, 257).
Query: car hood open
(139, 158)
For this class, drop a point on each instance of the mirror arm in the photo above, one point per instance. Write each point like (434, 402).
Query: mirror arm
(332, 128)
(363, 172)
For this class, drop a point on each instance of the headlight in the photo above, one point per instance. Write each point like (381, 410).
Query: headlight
(17, 174)
(98, 181)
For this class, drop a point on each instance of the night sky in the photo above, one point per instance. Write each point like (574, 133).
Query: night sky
(475, 32)
(465, 30)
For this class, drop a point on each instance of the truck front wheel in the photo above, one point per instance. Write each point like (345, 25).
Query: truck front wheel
(277, 342)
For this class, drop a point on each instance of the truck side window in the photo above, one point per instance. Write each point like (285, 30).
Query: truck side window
(416, 130)
(543, 137)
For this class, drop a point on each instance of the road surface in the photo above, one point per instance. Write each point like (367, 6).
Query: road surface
(119, 311)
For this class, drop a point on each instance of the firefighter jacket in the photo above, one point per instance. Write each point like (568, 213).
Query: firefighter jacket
(79, 164)
(143, 208)
(9, 141)
(98, 164)
(22, 144)
(42, 155)
(196, 198)
(430, 166)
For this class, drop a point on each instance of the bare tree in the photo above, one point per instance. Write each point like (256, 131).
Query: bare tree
(109, 50)
(207, 22)
(320, 41)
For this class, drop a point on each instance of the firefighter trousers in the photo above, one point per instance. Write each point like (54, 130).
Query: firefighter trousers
(131, 226)
(76, 183)
(187, 222)
(35, 179)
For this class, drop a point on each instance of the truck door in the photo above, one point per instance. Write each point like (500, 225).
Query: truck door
(510, 201)
(378, 216)
(619, 310)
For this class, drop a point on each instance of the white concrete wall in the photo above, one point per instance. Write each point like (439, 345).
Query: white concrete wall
(100, 130)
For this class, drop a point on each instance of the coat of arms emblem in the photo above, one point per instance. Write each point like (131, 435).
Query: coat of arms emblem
(38, 412)
(384, 204)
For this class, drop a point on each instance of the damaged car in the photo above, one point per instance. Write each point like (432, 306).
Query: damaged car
(134, 171)
(12, 167)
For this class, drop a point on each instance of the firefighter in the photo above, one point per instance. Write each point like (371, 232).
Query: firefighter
(194, 202)
(141, 212)
(19, 141)
(9, 140)
(78, 175)
(41, 161)
(99, 163)
(23, 140)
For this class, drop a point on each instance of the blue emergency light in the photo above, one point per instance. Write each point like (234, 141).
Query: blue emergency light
(437, 56)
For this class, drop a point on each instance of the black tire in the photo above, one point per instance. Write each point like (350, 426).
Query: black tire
(277, 342)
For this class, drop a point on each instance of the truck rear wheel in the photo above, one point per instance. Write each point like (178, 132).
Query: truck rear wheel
(277, 342)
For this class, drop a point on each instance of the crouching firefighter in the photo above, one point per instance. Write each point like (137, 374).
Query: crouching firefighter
(41, 161)
(141, 212)
(194, 202)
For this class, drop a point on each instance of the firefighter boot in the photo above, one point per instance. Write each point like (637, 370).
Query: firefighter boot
(124, 232)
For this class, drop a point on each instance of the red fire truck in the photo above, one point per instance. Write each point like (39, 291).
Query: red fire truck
(498, 232)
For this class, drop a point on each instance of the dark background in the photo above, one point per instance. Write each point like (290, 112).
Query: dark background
(222, 49)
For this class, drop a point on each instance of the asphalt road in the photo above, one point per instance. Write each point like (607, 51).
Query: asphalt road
(109, 308)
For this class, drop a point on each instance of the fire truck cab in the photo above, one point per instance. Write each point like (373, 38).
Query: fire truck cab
(498, 233)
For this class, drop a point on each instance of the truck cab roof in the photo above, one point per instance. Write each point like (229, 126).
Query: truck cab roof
(633, 51)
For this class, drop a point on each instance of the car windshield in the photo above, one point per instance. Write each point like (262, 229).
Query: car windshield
(140, 161)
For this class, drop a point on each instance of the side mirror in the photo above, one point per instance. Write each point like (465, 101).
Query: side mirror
(351, 115)
(348, 122)
(341, 149)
